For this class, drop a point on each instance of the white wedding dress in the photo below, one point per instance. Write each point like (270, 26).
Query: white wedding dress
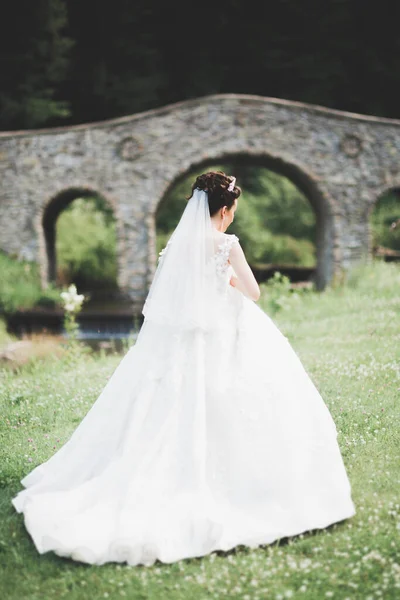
(198, 442)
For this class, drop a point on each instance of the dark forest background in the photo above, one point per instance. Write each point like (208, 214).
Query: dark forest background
(72, 61)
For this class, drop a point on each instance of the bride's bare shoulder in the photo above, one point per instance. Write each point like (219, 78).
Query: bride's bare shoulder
(220, 235)
(224, 241)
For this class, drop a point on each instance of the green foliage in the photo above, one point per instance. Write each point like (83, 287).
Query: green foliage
(368, 284)
(64, 57)
(374, 279)
(76, 350)
(36, 62)
(278, 293)
(20, 286)
(274, 220)
(140, 56)
(86, 245)
(86, 253)
(385, 221)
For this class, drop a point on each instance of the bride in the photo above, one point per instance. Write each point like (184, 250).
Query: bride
(209, 434)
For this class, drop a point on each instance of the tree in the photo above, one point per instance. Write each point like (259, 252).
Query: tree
(34, 58)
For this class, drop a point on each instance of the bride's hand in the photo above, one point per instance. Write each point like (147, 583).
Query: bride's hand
(233, 280)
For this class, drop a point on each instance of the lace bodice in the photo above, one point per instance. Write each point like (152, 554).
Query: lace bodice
(219, 261)
(221, 256)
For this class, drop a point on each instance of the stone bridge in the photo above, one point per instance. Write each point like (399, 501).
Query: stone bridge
(342, 162)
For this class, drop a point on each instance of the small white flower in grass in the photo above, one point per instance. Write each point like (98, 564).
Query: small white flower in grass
(72, 304)
(71, 299)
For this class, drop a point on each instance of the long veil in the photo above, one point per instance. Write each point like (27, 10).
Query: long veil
(184, 287)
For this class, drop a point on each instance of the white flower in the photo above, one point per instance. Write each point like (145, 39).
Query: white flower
(71, 299)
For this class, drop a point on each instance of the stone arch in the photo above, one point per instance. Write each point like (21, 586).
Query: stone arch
(321, 202)
(340, 159)
(48, 216)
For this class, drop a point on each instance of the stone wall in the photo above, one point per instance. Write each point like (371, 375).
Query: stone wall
(342, 161)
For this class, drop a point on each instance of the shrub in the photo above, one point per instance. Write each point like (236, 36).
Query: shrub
(279, 294)
(385, 222)
(20, 286)
(86, 245)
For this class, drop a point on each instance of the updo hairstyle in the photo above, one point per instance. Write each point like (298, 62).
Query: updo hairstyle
(216, 184)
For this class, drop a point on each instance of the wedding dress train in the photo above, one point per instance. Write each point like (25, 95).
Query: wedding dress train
(199, 441)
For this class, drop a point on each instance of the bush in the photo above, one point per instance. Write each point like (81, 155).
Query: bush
(384, 222)
(20, 286)
(278, 293)
(86, 245)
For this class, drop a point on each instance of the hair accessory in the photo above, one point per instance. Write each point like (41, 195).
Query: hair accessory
(232, 184)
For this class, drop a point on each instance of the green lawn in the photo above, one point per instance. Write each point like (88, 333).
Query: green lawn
(349, 340)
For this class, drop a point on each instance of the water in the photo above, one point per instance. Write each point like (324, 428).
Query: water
(100, 330)
(107, 339)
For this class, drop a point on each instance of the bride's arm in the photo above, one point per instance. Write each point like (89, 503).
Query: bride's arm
(245, 282)
(234, 281)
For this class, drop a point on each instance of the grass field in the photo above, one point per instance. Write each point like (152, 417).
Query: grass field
(349, 340)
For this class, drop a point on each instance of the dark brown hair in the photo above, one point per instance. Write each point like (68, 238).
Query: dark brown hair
(216, 184)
